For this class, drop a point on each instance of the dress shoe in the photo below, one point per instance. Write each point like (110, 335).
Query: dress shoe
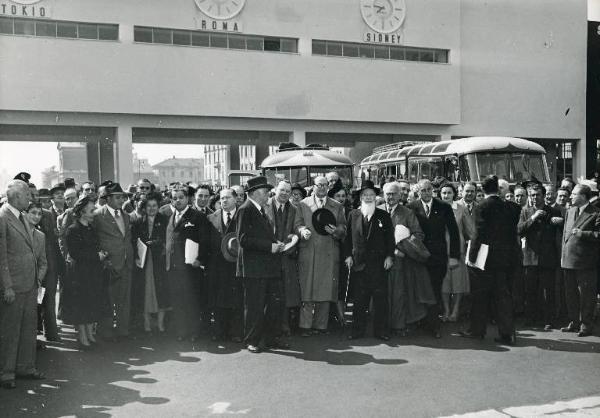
(33, 376)
(53, 338)
(505, 340)
(306, 334)
(383, 337)
(548, 327)
(437, 335)
(584, 333)
(83, 347)
(469, 334)
(237, 339)
(8, 384)
(279, 345)
(253, 348)
(355, 336)
(572, 327)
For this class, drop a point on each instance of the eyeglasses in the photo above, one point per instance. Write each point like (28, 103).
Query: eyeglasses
(144, 187)
(321, 185)
(87, 189)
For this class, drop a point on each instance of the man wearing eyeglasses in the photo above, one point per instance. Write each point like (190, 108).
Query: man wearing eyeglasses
(144, 186)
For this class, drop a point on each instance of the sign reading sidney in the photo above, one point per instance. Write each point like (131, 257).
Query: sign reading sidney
(24, 8)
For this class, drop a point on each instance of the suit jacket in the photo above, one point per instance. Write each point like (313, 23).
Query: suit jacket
(208, 210)
(63, 222)
(53, 256)
(18, 260)
(39, 247)
(111, 240)
(290, 216)
(255, 235)
(401, 215)
(166, 210)
(441, 219)
(496, 225)
(193, 225)
(581, 253)
(540, 237)
(372, 245)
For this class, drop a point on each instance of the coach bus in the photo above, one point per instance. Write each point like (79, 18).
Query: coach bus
(458, 160)
(302, 164)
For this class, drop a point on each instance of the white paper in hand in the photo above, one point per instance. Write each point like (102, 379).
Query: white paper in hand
(191, 251)
(401, 232)
(294, 241)
(482, 255)
(142, 250)
(40, 295)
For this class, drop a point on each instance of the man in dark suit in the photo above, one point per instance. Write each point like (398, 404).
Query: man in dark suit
(202, 199)
(436, 218)
(226, 293)
(579, 259)
(260, 266)
(496, 226)
(186, 223)
(18, 285)
(538, 226)
(369, 251)
(113, 228)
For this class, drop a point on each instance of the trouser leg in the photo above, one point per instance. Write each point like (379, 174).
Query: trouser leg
(504, 307)
(531, 279)
(380, 311)
(274, 301)
(436, 275)
(306, 315)
(572, 296)
(480, 289)
(547, 294)
(397, 301)
(28, 334)
(11, 321)
(321, 315)
(362, 299)
(255, 310)
(121, 297)
(49, 309)
(586, 283)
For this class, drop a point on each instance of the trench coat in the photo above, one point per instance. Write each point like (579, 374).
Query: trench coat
(319, 256)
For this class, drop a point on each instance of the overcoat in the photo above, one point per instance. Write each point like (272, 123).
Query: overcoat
(319, 257)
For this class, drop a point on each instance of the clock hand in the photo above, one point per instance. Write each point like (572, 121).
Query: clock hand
(379, 8)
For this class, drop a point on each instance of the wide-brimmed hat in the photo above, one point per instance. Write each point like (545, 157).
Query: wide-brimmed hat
(113, 188)
(230, 247)
(321, 218)
(57, 187)
(298, 186)
(258, 182)
(368, 184)
(23, 176)
(44, 193)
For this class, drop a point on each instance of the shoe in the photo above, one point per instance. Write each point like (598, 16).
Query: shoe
(548, 327)
(180, 339)
(452, 318)
(437, 335)
(572, 327)
(469, 334)
(253, 348)
(355, 336)
(83, 347)
(33, 376)
(383, 337)
(237, 339)
(54, 338)
(505, 340)
(9, 384)
(279, 345)
(40, 345)
(584, 333)
(306, 334)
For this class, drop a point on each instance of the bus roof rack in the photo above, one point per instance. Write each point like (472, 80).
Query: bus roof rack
(290, 146)
(397, 146)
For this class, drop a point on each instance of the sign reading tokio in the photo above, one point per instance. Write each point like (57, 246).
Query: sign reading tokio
(24, 8)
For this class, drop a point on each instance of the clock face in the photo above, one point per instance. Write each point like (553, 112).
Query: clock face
(383, 16)
(220, 9)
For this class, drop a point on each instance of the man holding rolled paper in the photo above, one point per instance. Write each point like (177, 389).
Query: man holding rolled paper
(186, 252)
(495, 231)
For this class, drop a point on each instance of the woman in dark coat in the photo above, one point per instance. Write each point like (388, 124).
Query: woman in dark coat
(87, 297)
(151, 229)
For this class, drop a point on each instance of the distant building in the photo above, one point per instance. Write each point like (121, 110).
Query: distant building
(179, 169)
(72, 161)
(143, 170)
(49, 177)
(217, 161)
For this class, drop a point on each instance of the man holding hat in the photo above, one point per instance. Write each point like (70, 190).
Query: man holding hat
(114, 235)
(321, 224)
(368, 252)
(260, 265)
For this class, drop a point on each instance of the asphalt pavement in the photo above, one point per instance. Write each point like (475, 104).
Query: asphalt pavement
(320, 376)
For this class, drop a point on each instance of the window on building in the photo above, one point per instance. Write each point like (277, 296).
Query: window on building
(58, 29)
(66, 30)
(162, 36)
(24, 27)
(182, 37)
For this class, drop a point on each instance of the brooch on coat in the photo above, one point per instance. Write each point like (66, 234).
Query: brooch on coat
(379, 222)
(188, 224)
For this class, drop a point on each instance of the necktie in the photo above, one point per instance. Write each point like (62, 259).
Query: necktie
(576, 214)
(119, 220)
(24, 222)
(177, 217)
(280, 210)
(427, 210)
(390, 210)
(228, 218)
(320, 203)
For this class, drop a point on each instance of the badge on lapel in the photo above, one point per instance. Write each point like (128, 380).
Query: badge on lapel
(188, 224)
(379, 223)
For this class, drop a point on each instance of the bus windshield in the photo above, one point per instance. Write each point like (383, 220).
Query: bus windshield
(514, 167)
(304, 175)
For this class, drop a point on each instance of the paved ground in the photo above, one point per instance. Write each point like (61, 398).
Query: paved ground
(321, 376)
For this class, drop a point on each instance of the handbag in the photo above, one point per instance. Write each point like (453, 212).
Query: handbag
(414, 248)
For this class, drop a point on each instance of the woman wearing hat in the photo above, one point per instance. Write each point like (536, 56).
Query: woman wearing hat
(85, 299)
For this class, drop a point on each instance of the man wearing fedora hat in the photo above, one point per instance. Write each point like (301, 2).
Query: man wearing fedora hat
(226, 294)
(58, 199)
(112, 226)
(319, 255)
(368, 252)
(260, 266)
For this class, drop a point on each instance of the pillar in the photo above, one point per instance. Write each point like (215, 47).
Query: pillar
(579, 160)
(234, 157)
(93, 160)
(298, 137)
(124, 155)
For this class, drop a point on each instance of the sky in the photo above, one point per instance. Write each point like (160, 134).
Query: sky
(33, 157)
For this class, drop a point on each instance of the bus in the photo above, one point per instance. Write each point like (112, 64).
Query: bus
(302, 164)
(458, 160)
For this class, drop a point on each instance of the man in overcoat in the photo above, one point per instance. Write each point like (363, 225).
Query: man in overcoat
(319, 258)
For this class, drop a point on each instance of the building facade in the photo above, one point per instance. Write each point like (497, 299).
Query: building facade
(179, 170)
(72, 161)
(348, 73)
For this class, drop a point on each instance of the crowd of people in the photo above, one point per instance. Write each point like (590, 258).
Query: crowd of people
(259, 263)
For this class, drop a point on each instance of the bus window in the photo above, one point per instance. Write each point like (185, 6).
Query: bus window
(524, 166)
(401, 170)
(413, 170)
(497, 164)
(391, 170)
(429, 167)
(464, 172)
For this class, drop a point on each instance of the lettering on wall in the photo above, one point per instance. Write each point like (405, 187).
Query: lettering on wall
(25, 8)
(384, 19)
(219, 14)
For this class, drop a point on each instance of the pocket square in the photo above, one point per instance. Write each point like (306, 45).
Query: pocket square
(188, 224)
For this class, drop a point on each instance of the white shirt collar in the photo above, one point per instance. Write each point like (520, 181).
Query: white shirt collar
(112, 211)
(317, 199)
(14, 210)
(177, 213)
(391, 209)
(427, 205)
(259, 207)
(224, 213)
(582, 208)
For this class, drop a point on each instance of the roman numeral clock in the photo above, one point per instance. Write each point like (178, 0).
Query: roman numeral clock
(383, 16)
(220, 9)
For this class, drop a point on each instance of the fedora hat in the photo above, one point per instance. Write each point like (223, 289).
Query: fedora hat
(258, 182)
(60, 187)
(298, 186)
(23, 176)
(113, 188)
(230, 247)
(321, 218)
(368, 184)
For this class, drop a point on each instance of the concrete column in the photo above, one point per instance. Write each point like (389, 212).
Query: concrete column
(93, 161)
(124, 155)
(298, 137)
(579, 160)
(305, 46)
(234, 157)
